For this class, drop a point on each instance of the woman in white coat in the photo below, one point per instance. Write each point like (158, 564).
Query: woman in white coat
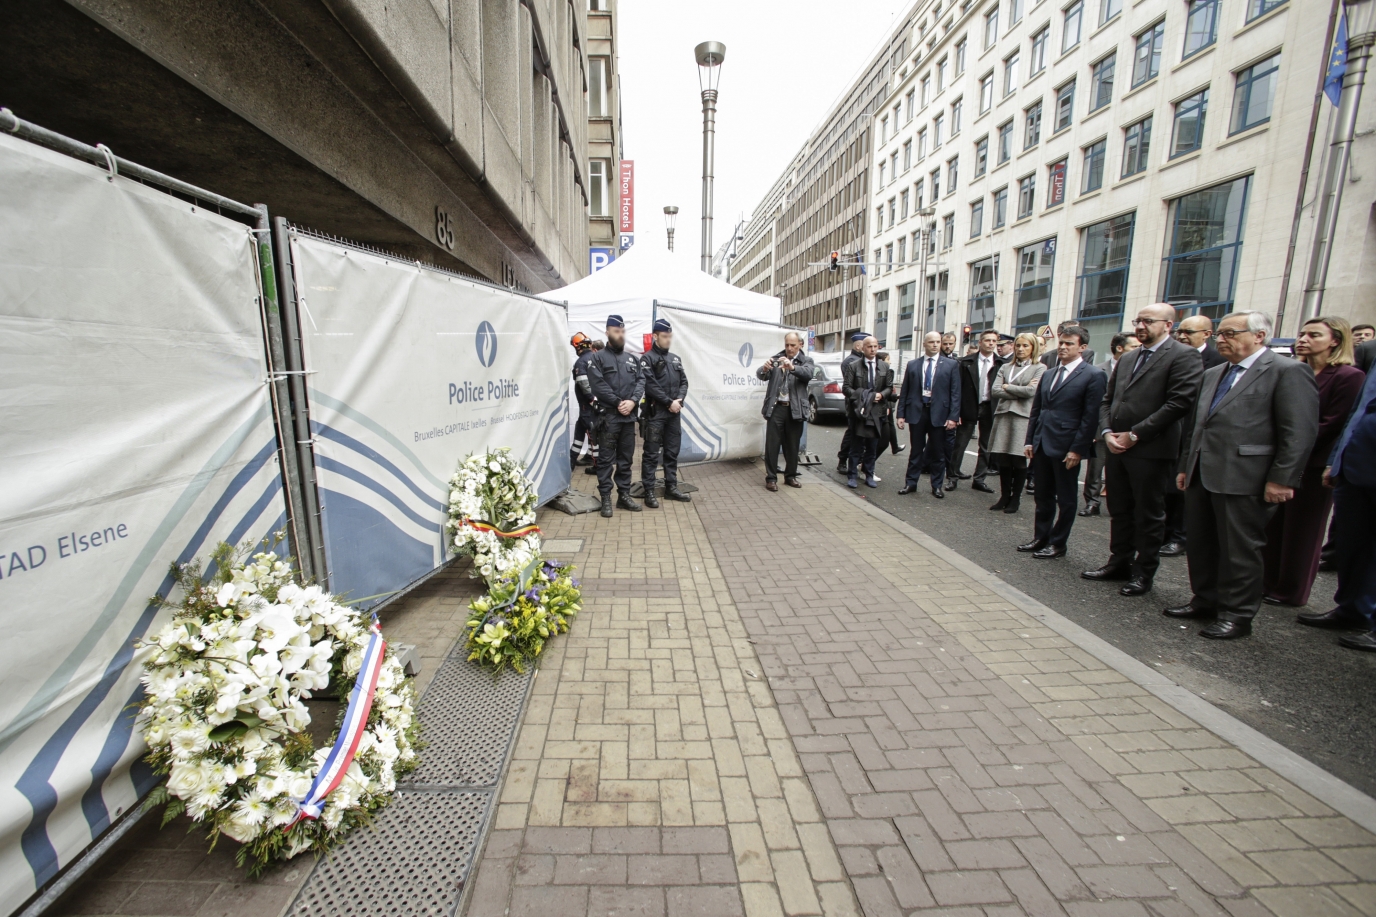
(1012, 392)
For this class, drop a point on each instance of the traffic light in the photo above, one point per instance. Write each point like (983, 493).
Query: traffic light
(834, 257)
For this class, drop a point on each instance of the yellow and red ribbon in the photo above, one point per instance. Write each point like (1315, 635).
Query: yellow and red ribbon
(519, 532)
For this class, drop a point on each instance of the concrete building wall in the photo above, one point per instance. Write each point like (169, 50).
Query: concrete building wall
(1142, 195)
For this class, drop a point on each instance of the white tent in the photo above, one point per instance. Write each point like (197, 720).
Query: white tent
(633, 283)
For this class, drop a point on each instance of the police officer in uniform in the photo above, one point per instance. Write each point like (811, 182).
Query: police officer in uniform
(666, 385)
(615, 381)
(584, 431)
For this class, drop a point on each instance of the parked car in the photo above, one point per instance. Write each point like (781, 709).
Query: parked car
(824, 395)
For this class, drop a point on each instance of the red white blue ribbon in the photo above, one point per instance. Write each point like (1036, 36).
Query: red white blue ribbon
(355, 722)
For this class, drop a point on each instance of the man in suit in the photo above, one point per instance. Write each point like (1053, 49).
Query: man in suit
(1051, 358)
(786, 375)
(1094, 474)
(1197, 331)
(977, 372)
(843, 453)
(1140, 422)
(868, 387)
(1060, 432)
(1256, 421)
(930, 401)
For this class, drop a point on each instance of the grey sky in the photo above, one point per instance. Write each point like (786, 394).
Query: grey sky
(786, 64)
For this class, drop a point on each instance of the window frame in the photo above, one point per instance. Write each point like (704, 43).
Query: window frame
(1192, 9)
(986, 92)
(1244, 81)
(1084, 275)
(1172, 258)
(991, 28)
(1005, 132)
(1037, 51)
(1109, 10)
(1046, 247)
(1258, 8)
(1097, 80)
(952, 174)
(1027, 196)
(1157, 36)
(983, 294)
(599, 173)
(1010, 72)
(1089, 169)
(1000, 215)
(1196, 102)
(1032, 125)
(976, 218)
(957, 111)
(1065, 107)
(1141, 152)
(981, 156)
(1076, 11)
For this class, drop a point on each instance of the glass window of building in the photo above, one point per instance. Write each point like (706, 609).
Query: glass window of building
(1101, 83)
(1205, 242)
(1055, 183)
(1010, 73)
(936, 300)
(984, 283)
(879, 218)
(1146, 60)
(921, 144)
(1257, 8)
(926, 86)
(1256, 91)
(907, 155)
(881, 316)
(884, 129)
(597, 5)
(1101, 288)
(1005, 142)
(1032, 120)
(1072, 24)
(910, 102)
(960, 57)
(1065, 106)
(948, 231)
(976, 219)
(941, 74)
(1000, 207)
(931, 237)
(1187, 133)
(1038, 62)
(1014, 11)
(1136, 147)
(882, 167)
(902, 249)
(1027, 195)
(1108, 9)
(893, 210)
(598, 105)
(981, 156)
(903, 204)
(957, 110)
(936, 184)
(917, 193)
(986, 92)
(952, 173)
(888, 257)
(1095, 154)
(893, 166)
(599, 200)
(937, 124)
(1201, 25)
(991, 27)
(1032, 295)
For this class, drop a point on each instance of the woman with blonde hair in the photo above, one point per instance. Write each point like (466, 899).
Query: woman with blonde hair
(1012, 393)
(1294, 536)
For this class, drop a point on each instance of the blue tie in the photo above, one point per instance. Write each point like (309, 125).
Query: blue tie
(1225, 385)
(927, 379)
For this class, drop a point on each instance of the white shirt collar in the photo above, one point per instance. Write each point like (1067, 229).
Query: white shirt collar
(1070, 367)
(1157, 346)
(1246, 364)
(1201, 347)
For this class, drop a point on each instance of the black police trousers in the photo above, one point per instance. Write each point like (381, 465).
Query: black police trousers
(584, 432)
(615, 453)
(663, 436)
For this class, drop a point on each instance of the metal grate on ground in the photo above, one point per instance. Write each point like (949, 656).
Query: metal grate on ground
(416, 856)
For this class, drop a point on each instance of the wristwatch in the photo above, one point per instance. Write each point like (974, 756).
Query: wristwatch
(1132, 436)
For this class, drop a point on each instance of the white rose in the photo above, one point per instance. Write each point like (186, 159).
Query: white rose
(186, 780)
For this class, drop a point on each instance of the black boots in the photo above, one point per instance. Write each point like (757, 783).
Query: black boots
(1005, 482)
(673, 493)
(624, 501)
(651, 498)
(607, 506)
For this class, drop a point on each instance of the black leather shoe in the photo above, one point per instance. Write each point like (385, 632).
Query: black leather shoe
(1226, 630)
(1138, 585)
(958, 476)
(607, 506)
(651, 498)
(1050, 552)
(982, 487)
(1172, 549)
(1035, 545)
(678, 496)
(899, 449)
(1091, 509)
(1337, 619)
(1188, 611)
(951, 483)
(1108, 572)
(591, 469)
(1272, 600)
(907, 489)
(627, 503)
(938, 493)
(1365, 641)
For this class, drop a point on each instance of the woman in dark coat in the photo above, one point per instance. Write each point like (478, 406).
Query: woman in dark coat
(1295, 533)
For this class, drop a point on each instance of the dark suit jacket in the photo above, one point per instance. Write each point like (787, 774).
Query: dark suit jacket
(1211, 356)
(1063, 421)
(1354, 457)
(945, 391)
(1051, 359)
(969, 384)
(1153, 402)
(871, 419)
(1365, 356)
(1262, 430)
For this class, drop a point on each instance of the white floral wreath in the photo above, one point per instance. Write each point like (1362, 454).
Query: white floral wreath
(490, 501)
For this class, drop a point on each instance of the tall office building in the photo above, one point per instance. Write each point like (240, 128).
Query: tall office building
(605, 150)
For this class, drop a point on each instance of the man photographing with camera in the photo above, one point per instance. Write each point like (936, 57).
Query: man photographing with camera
(785, 405)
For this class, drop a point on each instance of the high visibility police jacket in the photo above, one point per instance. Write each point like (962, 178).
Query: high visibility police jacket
(665, 379)
(615, 376)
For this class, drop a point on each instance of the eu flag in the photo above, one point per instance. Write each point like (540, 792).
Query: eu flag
(1337, 63)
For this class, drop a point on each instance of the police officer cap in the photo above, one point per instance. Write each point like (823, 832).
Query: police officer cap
(1006, 339)
(614, 321)
(662, 326)
(858, 336)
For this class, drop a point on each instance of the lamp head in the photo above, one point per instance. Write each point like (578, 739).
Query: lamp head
(670, 215)
(709, 56)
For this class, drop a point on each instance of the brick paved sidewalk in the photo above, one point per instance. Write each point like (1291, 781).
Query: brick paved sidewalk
(960, 756)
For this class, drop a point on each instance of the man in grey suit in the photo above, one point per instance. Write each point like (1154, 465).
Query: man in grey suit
(1256, 421)
(1140, 421)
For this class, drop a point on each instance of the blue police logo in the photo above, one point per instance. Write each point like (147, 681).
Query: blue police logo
(746, 355)
(487, 344)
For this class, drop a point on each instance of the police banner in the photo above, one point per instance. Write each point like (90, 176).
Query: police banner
(409, 371)
(722, 416)
(134, 432)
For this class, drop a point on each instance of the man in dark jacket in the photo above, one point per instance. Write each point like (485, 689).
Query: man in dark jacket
(785, 408)
(868, 387)
(616, 382)
(666, 385)
(1050, 359)
(585, 430)
(1153, 388)
(843, 453)
(1060, 432)
(929, 401)
(977, 373)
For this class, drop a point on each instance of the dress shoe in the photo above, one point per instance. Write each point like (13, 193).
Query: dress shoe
(899, 449)
(651, 498)
(627, 503)
(907, 489)
(1272, 600)
(1138, 585)
(1091, 509)
(958, 476)
(951, 483)
(771, 486)
(1188, 611)
(1109, 571)
(1366, 641)
(607, 506)
(938, 493)
(1226, 630)
(1337, 619)
(999, 504)
(1050, 552)
(591, 469)
(1035, 545)
(673, 493)
(1172, 549)
(793, 482)
(982, 487)
(871, 481)
(852, 482)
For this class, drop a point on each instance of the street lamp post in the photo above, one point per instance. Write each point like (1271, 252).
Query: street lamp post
(670, 215)
(709, 56)
(1361, 37)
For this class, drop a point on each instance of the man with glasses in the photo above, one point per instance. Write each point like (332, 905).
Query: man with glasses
(1152, 390)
